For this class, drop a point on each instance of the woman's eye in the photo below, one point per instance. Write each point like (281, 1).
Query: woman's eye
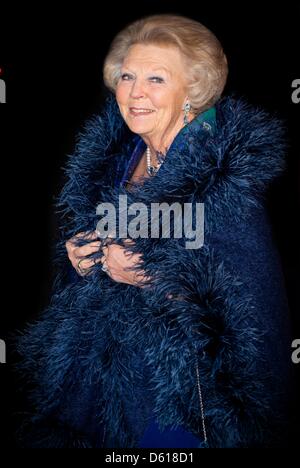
(156, 79)
(153, 79)
(126, 77)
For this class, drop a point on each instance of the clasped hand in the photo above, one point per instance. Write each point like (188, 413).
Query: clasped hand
(118, 260)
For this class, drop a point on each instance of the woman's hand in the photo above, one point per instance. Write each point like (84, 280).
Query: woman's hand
(118, 261)
(78, 254)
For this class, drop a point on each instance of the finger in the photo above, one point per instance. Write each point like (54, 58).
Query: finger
(105, 251)
(91, 235)
(84, 265)
(87, 264)
(128, 241)
(112, 234)
(73, 242)
(86, 249)
(81, 234)
(102, 260)
(96, 260)
(104, 235)
(94, 244)
(91, 245)
(85, 235)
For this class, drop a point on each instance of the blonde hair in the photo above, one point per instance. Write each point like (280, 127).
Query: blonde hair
(203, 54)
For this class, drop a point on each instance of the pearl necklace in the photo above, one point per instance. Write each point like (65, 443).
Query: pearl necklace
(152, 170)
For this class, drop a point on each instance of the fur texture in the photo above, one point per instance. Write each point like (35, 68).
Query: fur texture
(103, 350)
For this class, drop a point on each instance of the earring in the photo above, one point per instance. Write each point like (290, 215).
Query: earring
(187, 108)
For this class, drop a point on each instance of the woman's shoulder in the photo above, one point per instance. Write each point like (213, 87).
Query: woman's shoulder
(236, 166)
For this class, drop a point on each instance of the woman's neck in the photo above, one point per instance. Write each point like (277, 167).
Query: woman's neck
(160, 143)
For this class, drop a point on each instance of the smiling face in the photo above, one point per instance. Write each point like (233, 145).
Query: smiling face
(151, 93)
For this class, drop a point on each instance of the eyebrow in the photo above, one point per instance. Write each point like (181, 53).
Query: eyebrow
(152, 71)
(162, 68)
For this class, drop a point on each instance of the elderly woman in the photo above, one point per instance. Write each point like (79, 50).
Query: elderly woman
(148, 341)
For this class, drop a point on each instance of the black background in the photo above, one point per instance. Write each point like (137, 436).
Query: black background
(51, 60)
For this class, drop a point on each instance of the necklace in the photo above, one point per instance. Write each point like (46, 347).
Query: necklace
(152, 170)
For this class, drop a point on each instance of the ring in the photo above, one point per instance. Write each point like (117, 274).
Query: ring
(81, 270)
(105, 267)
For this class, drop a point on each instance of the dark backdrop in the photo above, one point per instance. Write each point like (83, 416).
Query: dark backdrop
(52, 65)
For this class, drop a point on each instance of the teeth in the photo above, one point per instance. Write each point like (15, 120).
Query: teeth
(141, 111)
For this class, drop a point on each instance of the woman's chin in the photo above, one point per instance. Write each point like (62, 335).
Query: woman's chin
(139, 127)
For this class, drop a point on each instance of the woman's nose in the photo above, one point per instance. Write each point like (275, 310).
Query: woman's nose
(137, 90)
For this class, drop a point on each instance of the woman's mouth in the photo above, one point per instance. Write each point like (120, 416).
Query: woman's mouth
(138, 111)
